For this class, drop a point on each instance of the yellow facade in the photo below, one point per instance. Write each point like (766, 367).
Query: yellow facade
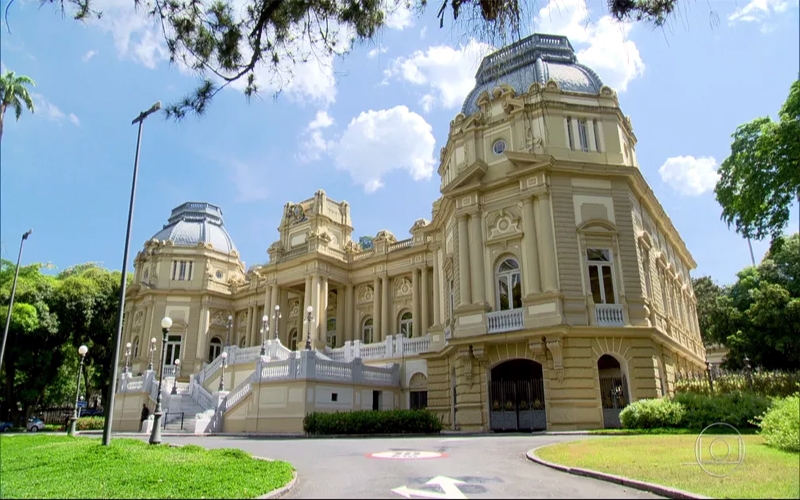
(546, 245)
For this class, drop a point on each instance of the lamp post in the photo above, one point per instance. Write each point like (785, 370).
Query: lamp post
(264, 330)
(124, 277)
(82, 350)
(229, 325)
(309, 319)
(127, 358)
(155, 435)
(748, 370)
(277, 318)
(150, 356)
(222, 375)
(177, 373)
(710, 378)
(11, 300)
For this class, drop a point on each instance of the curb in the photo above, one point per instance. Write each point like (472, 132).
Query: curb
(283, 490)
(658, 489)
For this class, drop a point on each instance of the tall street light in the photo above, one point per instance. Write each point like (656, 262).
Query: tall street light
(277, 317)
(230, 327)
(155, 435)
(112, 384)
(82, 350)
(309, 319)
(264, 331)
(11, 300)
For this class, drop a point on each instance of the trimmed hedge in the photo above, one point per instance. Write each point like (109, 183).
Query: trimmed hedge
(90, 423)
(780, 425)
(695, 411)
(372, 422)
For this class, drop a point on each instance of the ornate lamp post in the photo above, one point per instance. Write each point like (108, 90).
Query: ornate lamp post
(177, 374)
(127, 358)
(230, 327)
(264, 330)
(150, 355)
(277, 316)
(155, 435)
(82, 350)
(222, 375)
(309, 319)
(748, 370)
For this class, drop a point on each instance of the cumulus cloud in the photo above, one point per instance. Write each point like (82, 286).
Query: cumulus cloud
(447, 73)
(50, 111)
(314, 143)
(88, 55)
(376, 51)
(603, 45)
(760, 12)
(398, 14)
(690, 176)
(374, 144)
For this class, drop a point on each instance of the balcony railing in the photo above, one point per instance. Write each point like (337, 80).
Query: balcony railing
(504, 321)
(609, 315)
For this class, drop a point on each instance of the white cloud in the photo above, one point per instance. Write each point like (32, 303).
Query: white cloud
(314, 143)
(447, 72)
(398, 14)
(52, 112)
(606, 48)
(88, 55)
(74, 119)
(688, 175)
(377, 50)
(760, 12)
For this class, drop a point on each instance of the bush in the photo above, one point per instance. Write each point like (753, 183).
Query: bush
(780, 425)
(735, 408)
(651, 414)
(372, 422)
(90, 423)
(765, 383)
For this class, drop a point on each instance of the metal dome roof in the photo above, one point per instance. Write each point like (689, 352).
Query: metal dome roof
(537, 58)
(193, 223)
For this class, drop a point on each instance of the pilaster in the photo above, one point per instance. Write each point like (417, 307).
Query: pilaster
(437, 293)
(415, 319)
(476, 258)
(348, 313)
(376, 310)
(530, 257)
(546, 237)
(424, 317)
(386, 299)
(463, 261)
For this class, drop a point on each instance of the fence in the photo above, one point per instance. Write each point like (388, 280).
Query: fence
(771, 384)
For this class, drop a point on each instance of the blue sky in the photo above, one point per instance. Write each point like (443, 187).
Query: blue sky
(366, 128)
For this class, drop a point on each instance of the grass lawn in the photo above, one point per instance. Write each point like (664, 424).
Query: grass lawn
(41, 466)
(670, 461)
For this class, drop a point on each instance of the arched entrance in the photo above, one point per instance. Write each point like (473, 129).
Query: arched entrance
(613, 390)
(516, 396)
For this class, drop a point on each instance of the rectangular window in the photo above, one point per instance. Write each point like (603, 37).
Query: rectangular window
(452, 298)
(419, 400)
(376, 400)
(570, 139)
(182, 270)
(582, 137)
(601, 280)
(173, 349)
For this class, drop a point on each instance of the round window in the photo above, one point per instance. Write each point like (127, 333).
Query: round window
(219, 275)
(499, 147)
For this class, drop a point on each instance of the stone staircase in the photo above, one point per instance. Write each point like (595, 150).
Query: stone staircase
(189, 409)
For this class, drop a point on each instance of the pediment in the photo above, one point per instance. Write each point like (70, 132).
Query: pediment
(596, 226)
(472, 173)
(529, 160)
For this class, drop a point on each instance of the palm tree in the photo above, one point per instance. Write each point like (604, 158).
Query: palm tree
(13, 93)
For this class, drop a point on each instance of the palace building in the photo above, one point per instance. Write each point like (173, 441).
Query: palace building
(548, 289)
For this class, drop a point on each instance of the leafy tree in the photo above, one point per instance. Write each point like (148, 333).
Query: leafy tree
(761, 177)
(14, 93)
(226, 41)
(706, 293)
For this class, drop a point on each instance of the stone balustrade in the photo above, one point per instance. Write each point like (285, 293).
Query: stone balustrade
(504, 321)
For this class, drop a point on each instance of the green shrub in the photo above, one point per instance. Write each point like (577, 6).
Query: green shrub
(90, 423)
(651, 414)
(372, 422)
(780, 425)
(765, 383)
(735, 408)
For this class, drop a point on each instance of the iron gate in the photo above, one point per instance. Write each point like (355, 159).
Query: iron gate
(614, 396)
(517, 405)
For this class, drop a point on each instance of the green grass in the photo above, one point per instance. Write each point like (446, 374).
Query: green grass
(42, 466)
(670, 460)
(668, 430)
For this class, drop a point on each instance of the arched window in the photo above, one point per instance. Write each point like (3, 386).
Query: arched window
(366, 331)
(293, 339)
(214, 349)
(135, 348)
(406, 325)
(509, 285)
(242, 342)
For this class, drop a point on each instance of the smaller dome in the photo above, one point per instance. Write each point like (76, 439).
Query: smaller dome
(194, 223)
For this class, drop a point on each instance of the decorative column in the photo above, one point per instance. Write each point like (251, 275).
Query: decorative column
(546, 238)
(530, 257)
(476, 259)
(415, 320)
(349, 333)
(424, 318)
(322, 332)
(601, 142)
(340, 315)
(376, 310)
(590, 134)
(463, 261)
(437, 299)
(315, 300)
(576, 138)
(275, 291)
(386, 315)
(307, 293)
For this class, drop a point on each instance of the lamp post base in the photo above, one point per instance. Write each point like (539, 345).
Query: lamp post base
(155, 435)
(71, 429)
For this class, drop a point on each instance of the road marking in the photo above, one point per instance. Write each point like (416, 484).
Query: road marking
(407, 455)
(447, 484)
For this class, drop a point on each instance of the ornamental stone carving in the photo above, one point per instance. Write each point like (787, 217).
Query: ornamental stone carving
(402, 287)
(137, 319)
(242, 321)
(294, 309)
(502, 223)
(365, 294)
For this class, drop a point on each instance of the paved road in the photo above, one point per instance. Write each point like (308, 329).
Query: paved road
(490, 466)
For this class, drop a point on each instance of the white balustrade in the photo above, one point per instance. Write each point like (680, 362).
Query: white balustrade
(609, 315)
(275, 370)
(504, 321)
(240, 392)
(333, 370)
(373, 351)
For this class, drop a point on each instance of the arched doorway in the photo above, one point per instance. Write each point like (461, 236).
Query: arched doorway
(613, 390)
(516, 396)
